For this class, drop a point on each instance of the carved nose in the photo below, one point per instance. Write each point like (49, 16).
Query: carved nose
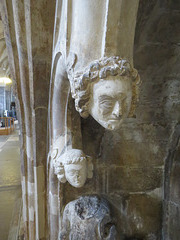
(117, 111)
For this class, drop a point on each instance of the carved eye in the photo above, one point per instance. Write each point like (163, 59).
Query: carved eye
(106, 101)
(106, 108)
(106, 104)
(72, 172)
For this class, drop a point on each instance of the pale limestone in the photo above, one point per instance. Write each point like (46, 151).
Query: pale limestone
(73, 166)
(107, 89)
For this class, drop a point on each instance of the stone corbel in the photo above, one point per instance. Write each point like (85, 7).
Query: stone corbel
(88, 217)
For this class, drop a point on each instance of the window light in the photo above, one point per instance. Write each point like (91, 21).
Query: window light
(5, 80)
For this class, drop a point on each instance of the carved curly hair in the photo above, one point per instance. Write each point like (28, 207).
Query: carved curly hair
(73, 156)
(100, 69)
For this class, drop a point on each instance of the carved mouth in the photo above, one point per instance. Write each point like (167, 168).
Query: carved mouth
(114, 123)
(114, 120)
(77, 182)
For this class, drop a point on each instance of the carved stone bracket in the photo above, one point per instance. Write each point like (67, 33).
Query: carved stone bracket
(73, 166)
(88, 218)
(107, 89)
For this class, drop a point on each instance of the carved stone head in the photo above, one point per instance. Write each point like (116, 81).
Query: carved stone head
(88, 218)
(107, 89)
(73, 166)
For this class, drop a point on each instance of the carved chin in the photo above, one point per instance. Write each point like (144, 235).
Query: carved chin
(77, 184)
(112, 125)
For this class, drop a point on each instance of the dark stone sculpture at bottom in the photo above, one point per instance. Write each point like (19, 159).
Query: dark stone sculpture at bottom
(87, 218)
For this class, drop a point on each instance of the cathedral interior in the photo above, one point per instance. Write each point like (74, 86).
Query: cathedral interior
(90, 120)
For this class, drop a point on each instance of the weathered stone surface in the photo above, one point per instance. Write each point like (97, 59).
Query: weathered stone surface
(174, 181)
(136, 146)
(144, 214)
(134, 179)
(173, 221)
(70, 193)
(40, 141)
(128, 163)
(4, 63)
(80, 40)
(139, 216)
(73, 166)
(157, 59)
(164, 27)
(87, 218)
(28, 28)
(108, 102)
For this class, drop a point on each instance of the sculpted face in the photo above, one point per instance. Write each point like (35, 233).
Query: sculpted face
(110, 101)
(76, 173)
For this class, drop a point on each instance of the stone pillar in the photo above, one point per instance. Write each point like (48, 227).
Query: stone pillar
(84, 31)
(28, 29)
(90, 29)
(4, 64)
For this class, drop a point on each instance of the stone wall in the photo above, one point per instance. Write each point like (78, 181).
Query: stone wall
(156, 56)
(135, 167)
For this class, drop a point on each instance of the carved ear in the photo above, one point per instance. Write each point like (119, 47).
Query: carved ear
(59, 171)
(60, 174)
(90, 167)
(71, 61)
(61, 178)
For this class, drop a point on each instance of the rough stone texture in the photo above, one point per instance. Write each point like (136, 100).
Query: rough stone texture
(79, 40)
(173, 229)
(157, 59)
(132, 160)
(4, 63)
(171, 191)
(73, 166)
(130, 179)
(88, 218)
(139, 216)
(134, 165)
(108, 102)
(28, 29)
